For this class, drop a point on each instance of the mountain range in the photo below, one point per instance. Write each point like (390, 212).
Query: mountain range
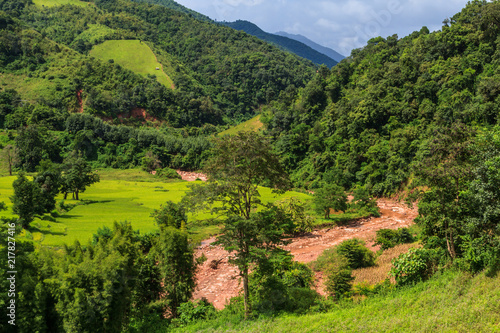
(320, 48)
(286, 43)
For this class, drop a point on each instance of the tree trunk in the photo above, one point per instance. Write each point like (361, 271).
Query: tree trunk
(245, 293)
(65, 195)
(76, 192)
(451, 246)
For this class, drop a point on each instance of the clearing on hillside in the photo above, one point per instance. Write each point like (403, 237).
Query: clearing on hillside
(134, 55)
(52, 3)
(252, 125)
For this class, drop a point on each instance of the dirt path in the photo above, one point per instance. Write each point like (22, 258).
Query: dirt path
(219, 285)
(191, 176)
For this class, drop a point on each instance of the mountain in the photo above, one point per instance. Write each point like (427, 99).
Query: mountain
(221, 76)
(286, 43)
(320, 48)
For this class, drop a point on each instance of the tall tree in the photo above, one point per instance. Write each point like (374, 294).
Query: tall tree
(77, 176)
(329, 197)
(447, 170)
(238, 165)
(177, 267)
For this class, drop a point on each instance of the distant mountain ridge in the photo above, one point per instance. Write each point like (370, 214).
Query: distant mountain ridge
(286, 43)
(320, 48)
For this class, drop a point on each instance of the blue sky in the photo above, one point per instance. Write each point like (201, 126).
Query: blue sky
(338, 24)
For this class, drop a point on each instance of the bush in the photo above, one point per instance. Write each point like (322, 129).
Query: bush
(167, 173)
(48, 217)
(338, 281)
(170, 214)
(388, 238)
(414, 266)
(357, 254)
(194, 311)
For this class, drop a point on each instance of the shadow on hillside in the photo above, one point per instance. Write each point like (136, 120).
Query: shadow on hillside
(47, 232)
(90, 202)
(69, 216)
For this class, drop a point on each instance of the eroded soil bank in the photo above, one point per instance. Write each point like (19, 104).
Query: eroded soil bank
(219, 284)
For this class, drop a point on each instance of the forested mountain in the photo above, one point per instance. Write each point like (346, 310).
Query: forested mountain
(371, 119)
(286, 43)
(222, 74)
(320, 48)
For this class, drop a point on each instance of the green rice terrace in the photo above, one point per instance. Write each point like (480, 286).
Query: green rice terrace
(133, 55)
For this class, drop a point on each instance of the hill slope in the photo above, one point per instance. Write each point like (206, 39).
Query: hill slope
(320, 48)
(291, 45)
(133, 55)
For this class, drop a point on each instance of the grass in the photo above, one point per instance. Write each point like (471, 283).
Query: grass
(379, 272)
(121, 195)
(252, 125)
(450, 301)
(133, 55)
(52, 3)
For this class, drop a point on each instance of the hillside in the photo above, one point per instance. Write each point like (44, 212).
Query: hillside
(369, 120)
(320, 48)
(198, 56)
(449, 302)
(132, 55)
(288, 44)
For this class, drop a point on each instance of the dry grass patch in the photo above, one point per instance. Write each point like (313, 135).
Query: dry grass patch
(380, 272)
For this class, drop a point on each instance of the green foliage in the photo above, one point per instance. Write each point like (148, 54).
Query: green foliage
(338, 281)
(297, 210)
(32, 198)
(414, 266)
(150, 162)
(356, 253)
(277, 284)
(77, 175)
(388, 238)
(193, 311)
(237, 166)
(177, 267)
(170, 214)
(168, 173)
(330, 197)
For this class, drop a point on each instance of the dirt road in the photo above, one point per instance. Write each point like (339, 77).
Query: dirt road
(220, 284)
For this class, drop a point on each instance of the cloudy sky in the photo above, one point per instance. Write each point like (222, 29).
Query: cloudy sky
(339, 24)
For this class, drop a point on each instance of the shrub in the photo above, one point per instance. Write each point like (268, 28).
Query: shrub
(297, 210)
(357, 254)
(338, 281)
(388, 238)
(55, 213)
(194, 311)
(168, 173)
(48, 217)
(170, 214)
(414, 266)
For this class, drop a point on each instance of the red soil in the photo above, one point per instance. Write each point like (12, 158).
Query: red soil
(219, 285)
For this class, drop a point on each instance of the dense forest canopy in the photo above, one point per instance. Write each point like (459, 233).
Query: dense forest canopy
(369, 119)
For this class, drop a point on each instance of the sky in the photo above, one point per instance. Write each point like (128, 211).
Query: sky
(339, 24)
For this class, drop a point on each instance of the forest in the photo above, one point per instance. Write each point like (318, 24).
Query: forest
(411, 118)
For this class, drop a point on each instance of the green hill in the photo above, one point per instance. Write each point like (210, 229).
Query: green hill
(133, 55)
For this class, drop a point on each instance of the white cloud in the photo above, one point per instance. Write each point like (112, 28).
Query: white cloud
(339, 24)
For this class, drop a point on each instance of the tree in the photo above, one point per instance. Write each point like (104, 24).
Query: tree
(447, 170)
(329, 197)
(238, 165)
(170, 214)
(25, 200)
(177, 267)
(77, 175)
(10, 157)
(30, 147)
